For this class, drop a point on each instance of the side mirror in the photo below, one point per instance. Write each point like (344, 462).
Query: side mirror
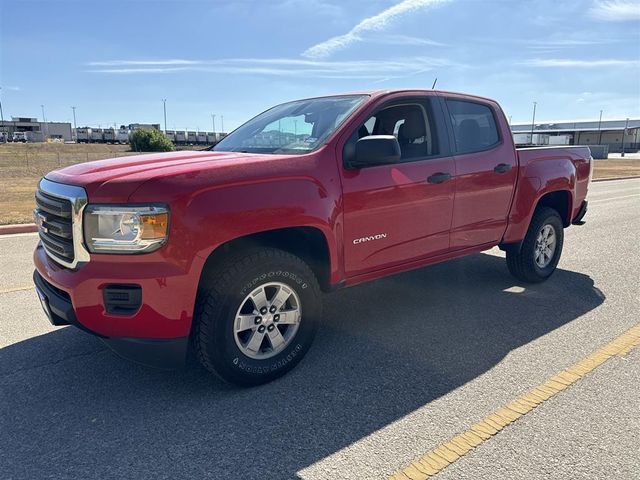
(376, 150)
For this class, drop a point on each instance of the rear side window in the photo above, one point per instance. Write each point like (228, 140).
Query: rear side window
(474, 126)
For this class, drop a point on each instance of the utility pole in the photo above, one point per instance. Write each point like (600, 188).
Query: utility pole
(599, 130)
(75, 127)
(533, 120)
(44, 122)
(626, 125)
(164, 108)
(222, 123)
(213, 123)
(510, 116)
(4, 137)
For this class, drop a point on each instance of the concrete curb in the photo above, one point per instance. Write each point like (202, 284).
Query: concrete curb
(19, 228)
(614, 178)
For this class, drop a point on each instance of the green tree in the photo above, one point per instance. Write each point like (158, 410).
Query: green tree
(150, 140)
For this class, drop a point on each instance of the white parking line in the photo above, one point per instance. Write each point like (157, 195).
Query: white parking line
(604, 200)
(14, 235)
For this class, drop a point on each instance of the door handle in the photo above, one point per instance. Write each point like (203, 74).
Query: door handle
(439, 177)
(502, 168)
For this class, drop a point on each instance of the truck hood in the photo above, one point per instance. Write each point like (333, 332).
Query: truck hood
(115, 179)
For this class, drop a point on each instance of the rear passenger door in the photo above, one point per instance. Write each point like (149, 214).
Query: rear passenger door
(486, 172)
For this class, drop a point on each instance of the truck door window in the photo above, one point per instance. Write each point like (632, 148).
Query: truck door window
(474, 126)
(411, 124)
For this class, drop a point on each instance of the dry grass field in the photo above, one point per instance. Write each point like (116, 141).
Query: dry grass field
(616, 167)
(22, 166)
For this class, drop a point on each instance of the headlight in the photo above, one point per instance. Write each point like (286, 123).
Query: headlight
(125, 229)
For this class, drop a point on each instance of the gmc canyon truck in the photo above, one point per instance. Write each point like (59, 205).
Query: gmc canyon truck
(226, 253)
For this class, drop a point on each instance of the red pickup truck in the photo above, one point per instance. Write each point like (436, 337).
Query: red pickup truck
(226, 253)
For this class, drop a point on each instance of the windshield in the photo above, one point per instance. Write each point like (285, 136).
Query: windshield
(291, 128)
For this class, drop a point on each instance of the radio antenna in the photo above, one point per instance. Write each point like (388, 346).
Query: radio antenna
(434, 83)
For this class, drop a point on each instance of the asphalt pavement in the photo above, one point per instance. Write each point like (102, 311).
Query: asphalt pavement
(400, 366)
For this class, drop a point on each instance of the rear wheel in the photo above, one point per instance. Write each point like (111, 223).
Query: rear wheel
(256, 317)
(540, 251)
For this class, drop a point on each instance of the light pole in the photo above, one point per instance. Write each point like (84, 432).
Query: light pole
(44, 122)
(164, 108)
(4, 137)
(533, 120)
(626, 125)
(213, 123)
(75, 127)
(222, 123)
(599, 130)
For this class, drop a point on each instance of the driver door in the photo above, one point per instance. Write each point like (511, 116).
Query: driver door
(397, 213)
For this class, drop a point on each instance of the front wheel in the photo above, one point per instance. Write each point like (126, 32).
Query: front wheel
(257, 315)
(539, 254)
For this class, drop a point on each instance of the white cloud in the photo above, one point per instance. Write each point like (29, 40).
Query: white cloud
(574, 63)
(283, 67)
(11, 88)
(116, 63)
(391, 39)
(615, 10)
(375, 23)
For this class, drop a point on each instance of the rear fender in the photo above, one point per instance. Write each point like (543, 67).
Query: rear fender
(540, 178)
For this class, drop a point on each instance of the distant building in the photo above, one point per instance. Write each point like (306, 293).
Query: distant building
(36, 131)
(608, 132)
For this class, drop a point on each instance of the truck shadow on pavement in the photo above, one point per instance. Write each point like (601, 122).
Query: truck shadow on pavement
(70, 408)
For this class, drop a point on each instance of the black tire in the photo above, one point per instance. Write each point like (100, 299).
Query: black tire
(225, 290)
(521, 262)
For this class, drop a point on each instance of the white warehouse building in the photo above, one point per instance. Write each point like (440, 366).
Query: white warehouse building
(608, 133)
(36, 131)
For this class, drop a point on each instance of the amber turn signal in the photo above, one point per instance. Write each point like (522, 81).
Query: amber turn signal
(154, 226)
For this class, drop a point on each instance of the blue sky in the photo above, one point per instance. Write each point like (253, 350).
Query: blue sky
(116, 60)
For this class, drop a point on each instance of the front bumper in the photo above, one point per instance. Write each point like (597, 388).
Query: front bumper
(156, 334)
(160, 353)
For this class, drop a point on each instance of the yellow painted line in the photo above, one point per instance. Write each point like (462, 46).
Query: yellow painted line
(451, 451)
(16, 289)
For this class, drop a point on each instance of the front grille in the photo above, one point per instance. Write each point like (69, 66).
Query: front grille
(54, 217)
(58, 215)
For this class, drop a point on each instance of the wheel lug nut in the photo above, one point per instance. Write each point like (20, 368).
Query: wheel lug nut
(276, 317)
(273, 309)
(261, 329)
(258, 320)
(271, 327)
(263, 310)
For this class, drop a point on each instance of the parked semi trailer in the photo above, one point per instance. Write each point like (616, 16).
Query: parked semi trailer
(122, 136)
(83, 135)
(201, 138)
(191, 138)
(97, 135)
(181, 137)
(109, 135)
